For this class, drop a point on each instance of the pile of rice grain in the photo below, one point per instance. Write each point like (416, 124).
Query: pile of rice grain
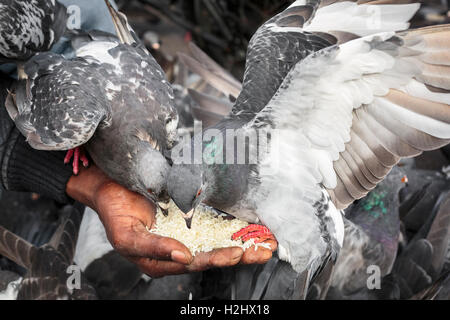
(208, 229)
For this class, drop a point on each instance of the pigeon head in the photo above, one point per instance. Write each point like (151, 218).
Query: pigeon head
(151, 170)
(186, 188)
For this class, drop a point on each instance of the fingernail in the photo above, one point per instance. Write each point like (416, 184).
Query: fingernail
(179, 257)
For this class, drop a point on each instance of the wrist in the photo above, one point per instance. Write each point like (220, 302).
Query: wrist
(26, 169)
(85, 186)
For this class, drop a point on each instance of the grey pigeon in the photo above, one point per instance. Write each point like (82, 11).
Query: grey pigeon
(345, 110)
(112, 98)
(418, 260)
(372, 231)
(29, 27)
(47, 265)
(423, 261)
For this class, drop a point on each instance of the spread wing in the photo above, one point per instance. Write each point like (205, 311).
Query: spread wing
(16, 249)
(47, 277)
(61, 103)
(286, 39)
(354, 110)
(306, 27)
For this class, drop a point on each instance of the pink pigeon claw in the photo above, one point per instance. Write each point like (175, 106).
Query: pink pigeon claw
(78, 155)
(256, 231)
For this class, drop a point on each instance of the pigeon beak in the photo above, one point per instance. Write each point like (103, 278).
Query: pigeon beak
(188, 222)
(164, 207)
(188, 218)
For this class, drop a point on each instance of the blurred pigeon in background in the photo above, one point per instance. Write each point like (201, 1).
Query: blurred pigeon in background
(47, 265)
(372, 231)
(410, 269)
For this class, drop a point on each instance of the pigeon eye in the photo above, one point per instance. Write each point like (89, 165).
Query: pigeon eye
(199, 192)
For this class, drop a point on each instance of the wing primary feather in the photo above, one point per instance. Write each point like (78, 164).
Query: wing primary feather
(120, 24)
(210, 64)
(352, 185)
(415, 138)
(347, 157)
(216, 81)
(387, 138)
(210, 103)
(16, 249)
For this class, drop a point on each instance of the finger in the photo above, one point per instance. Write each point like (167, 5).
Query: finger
(139, 242)
(273, 244)
(258, 256)
(218, 258)
(158, 268)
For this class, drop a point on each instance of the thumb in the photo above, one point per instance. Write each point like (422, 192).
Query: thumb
(140, 242)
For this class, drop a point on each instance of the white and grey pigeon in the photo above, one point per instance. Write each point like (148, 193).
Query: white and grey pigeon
(112, 98)
(347, 99)
(29, 27)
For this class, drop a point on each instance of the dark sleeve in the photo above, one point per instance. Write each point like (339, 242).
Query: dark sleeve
(24, 168)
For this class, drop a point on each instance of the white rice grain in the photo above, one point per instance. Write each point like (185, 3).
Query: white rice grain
(208, 231)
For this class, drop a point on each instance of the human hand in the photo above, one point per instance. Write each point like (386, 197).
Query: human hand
(126, 216)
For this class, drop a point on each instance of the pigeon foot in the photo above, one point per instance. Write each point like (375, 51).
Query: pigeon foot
(254, 231)
(78, 155)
